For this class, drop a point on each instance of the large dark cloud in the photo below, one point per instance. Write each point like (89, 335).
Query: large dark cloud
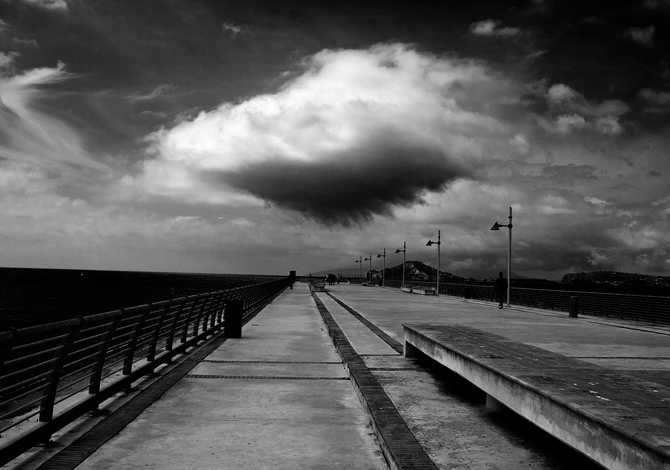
(352, 189)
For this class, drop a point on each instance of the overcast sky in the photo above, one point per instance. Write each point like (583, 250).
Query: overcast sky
(260, 136)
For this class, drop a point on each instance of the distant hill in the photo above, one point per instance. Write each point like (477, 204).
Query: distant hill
(615, 278)
(418, 271)
(414, 270)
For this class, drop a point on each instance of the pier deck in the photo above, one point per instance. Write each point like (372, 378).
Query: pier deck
(320, 382)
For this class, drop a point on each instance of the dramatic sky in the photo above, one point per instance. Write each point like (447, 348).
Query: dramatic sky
(262, 136)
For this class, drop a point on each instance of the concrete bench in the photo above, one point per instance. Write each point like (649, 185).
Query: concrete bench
(406, 289)
(618, 420)
(319, 286)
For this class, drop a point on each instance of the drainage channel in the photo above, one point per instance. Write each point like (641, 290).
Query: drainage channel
(395, 344)
(399, 445)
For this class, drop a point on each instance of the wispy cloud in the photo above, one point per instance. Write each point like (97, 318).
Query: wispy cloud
(657, 4)
(492, 28)
(232, 29)
(654, 96)
(520, 143)
(570, 110)
(162, 90)
(658, 102)
(48, 4)
(30, 135)
(7, 62)
(643, 36)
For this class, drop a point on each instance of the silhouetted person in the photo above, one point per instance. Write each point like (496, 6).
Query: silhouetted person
(500, 289)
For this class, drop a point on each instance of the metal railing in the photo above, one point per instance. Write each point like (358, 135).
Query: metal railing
(59, 371)
(639, 308)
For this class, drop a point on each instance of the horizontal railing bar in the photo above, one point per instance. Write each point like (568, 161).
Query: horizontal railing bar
(85, 345)
(77, 380)
(22, 359)
(38, 382)
(75, 363)
(30, 331)
(32, 345)
(20, 372)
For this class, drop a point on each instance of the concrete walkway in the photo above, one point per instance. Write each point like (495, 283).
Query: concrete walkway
(280, 397)
(277, 398)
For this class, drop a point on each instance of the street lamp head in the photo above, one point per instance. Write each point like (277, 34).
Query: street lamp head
(496, 226)
(430, 243)
(379, 256)
(398, 250)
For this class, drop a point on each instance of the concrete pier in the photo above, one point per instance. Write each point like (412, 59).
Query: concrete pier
(319, 381)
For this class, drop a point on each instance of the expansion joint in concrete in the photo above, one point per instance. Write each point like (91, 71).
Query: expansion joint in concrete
(399, 446)
(261, 377)
(395, 344)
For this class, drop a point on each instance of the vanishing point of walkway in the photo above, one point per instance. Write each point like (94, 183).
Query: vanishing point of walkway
(285, 396)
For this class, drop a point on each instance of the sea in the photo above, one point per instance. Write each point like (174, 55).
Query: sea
(31, 297)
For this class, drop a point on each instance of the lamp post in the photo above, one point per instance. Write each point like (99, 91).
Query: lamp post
(497, 226)
(370, 259)
(403, 251)
(384, 271)
(438, 243)
(360, 261)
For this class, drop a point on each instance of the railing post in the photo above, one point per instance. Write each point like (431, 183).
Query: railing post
(173, 328)
(200, 309)
(212, 303)
(132, 345)
(187, 322)
(574, 306)
(153, 346)
(98, 366)
(51, 387)
(206, 311)
(218, 306)
(232, 320)
(222, 306)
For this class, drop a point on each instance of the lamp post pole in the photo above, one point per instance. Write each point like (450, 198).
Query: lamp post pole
(360, 266)
(438, 243)
(497, 226)
(404, 250)
(509, 259)
(384, 270)
(438, 263)
(369, 258)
